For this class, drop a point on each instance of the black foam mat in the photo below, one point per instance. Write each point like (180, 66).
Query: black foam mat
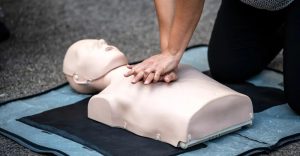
(71, 122)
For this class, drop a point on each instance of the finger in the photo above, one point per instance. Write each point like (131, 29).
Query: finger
(161, 78)
(157, 75)
(170, 77)
(137, 68)
(129, 73)
(129, 66)
(145, 77)
(134, 70)
(138, 77)
(149, 70)
(149, 78)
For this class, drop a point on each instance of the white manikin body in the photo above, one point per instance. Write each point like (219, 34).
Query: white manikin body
(189, 109)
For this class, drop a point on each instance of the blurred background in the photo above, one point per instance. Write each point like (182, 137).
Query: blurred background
(42, 30)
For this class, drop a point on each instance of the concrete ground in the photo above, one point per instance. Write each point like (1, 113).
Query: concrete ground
(31, 60)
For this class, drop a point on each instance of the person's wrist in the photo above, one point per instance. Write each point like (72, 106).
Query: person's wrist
(176, 54)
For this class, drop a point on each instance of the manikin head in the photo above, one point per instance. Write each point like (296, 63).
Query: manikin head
(88, 61)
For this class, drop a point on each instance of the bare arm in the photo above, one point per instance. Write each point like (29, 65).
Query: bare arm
(165, 10)
(176, 29)
(187, 15)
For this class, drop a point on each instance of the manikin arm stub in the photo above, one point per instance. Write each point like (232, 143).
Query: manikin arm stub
(177, 28)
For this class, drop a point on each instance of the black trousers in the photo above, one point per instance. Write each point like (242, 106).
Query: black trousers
(245, 40)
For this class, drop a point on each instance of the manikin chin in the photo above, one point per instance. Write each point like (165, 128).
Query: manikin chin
(191, 110)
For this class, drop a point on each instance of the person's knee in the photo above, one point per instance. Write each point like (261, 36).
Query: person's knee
(224, 73)
(227, 66)
(232, 71)
(293, 102)
(295, 107)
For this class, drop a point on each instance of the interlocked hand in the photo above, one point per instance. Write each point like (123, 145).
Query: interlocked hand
(160, 67)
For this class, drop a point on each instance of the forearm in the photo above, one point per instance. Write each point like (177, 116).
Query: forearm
(177, 22)
(165, 10)
(187, 15)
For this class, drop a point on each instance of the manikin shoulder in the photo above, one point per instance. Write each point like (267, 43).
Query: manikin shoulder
(190, 84)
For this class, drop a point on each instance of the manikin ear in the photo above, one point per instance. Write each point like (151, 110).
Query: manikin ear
(81, 88)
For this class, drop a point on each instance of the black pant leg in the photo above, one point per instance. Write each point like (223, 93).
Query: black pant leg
(291, 57)
(4, 32)
(244, 40)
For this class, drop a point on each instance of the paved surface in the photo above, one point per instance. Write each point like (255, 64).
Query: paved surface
(31, 60)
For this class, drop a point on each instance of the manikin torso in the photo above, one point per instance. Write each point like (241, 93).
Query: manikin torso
(190, 108)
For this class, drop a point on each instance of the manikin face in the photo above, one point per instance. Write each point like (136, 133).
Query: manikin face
(90, 59)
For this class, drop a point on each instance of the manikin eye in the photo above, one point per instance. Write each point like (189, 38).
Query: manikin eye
(108, 48)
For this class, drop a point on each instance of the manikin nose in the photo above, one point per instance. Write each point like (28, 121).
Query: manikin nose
(101, 42)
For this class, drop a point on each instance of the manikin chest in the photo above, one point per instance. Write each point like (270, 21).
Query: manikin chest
(166, 111)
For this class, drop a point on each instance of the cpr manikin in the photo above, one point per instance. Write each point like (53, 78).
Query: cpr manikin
(192, 109)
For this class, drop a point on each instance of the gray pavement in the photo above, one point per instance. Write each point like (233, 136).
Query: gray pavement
(31, 60)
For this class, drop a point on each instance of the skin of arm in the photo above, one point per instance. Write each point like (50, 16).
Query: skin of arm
(165, 10)
(177, 23)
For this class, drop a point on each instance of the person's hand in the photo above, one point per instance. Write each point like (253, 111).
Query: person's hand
(156, 68)
(169, 77)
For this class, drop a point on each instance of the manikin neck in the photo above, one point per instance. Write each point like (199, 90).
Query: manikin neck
(114, 75)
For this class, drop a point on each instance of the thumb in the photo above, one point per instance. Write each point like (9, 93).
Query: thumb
(170, 77)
